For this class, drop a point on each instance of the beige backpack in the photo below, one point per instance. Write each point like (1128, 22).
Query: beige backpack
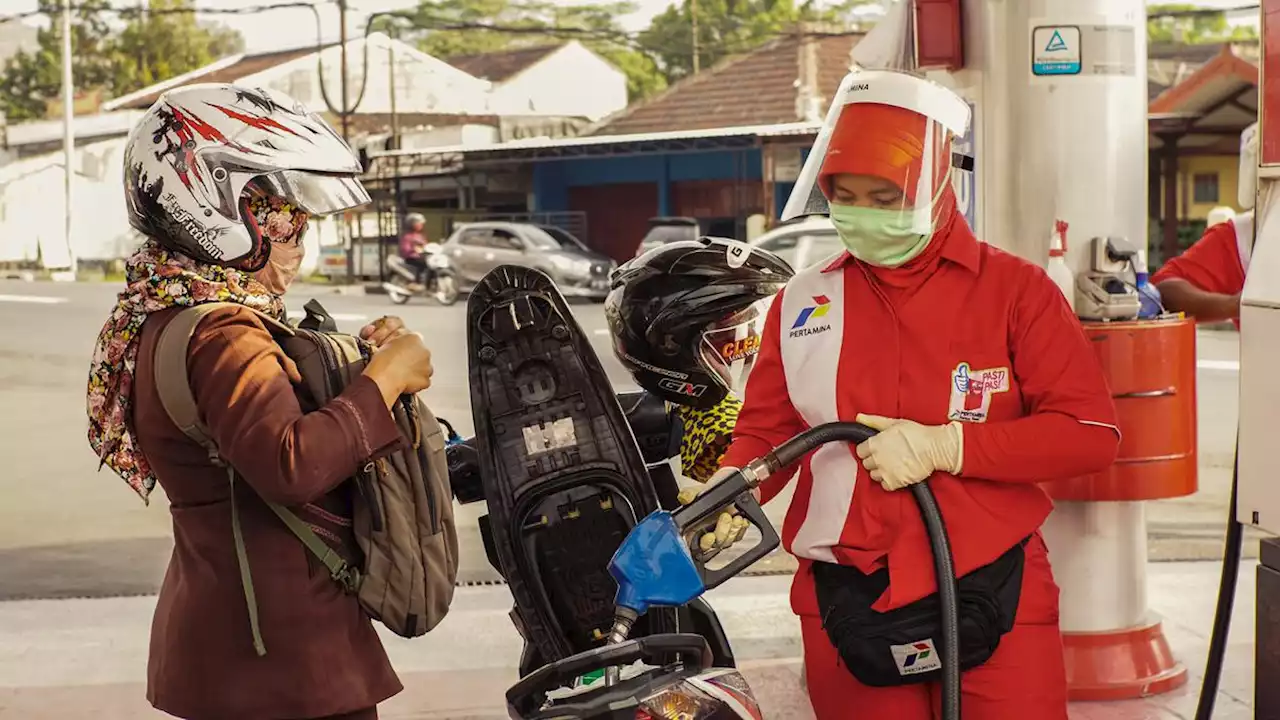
(403, 519)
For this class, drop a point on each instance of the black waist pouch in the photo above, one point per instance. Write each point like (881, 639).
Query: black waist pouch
(900, 647)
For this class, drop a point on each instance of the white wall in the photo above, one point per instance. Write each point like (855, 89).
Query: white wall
(423, 83)
(32, 207)
(571, 81)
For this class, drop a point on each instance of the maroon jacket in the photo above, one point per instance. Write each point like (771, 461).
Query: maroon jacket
(323, 656)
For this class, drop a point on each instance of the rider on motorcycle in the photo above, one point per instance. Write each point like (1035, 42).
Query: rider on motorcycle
(413, 247)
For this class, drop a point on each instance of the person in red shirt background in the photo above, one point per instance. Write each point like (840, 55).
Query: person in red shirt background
(981, 381)
(1205, 282)
(413, 244)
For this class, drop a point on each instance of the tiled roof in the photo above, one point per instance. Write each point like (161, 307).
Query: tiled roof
(498, 66)
(757, 88)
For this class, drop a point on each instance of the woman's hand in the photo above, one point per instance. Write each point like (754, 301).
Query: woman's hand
(906, 452)
(401, 366)
(382, 331)
(729, 528)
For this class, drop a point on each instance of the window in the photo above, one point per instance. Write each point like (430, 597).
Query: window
(475, 238)
(1205, 188)
(503, 240)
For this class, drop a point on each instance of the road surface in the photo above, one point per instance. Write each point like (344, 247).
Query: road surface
(67, 530)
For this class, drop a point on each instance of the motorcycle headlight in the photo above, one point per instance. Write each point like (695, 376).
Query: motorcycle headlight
(682, 702)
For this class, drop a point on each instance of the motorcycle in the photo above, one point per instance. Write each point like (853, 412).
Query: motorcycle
(562, 495)
(440, 283)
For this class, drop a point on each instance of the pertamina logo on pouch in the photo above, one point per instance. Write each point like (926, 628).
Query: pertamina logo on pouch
(821, 305)
(915, 658)
(971, 392)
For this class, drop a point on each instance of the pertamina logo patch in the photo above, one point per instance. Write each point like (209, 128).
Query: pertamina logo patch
(971, 392)
(915, 658)
(821, 305)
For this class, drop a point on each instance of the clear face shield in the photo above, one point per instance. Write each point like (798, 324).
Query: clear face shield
(883, 156)
(729, 348)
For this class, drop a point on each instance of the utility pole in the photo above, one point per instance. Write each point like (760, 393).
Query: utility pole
(68, 131)
(342, 39)
(693, 15)
(342, 117)
(395, 142)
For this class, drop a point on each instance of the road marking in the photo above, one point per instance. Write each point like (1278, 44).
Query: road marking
(339, 317)
(1227, 365)
(38, 299)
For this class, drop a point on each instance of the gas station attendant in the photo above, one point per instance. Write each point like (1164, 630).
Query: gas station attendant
(979, 377)
(1205, 282)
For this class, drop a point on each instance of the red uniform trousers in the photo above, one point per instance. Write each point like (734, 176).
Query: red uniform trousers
(1025, 678)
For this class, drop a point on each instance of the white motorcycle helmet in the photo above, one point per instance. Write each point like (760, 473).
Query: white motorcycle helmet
(189, 160)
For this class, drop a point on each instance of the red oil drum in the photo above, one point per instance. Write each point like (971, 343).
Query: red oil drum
(1151, 368)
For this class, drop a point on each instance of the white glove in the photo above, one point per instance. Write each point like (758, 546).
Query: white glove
(730, 527)
(906, 452)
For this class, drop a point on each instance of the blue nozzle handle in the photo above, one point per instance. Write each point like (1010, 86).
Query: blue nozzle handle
(702, 514)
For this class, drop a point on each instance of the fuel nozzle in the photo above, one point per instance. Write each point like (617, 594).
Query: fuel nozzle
(623, 619)
(622, 622)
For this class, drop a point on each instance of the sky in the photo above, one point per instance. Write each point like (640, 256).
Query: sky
(279, 29)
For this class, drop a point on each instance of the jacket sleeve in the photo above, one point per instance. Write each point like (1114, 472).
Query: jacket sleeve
(246, 399)
(767, 418)
(1212, 264)
(1069, 426)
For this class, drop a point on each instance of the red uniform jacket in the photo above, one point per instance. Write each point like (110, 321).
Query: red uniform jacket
(1215, 263)
(987, 339)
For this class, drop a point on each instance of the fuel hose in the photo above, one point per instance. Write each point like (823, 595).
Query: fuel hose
(943, 563)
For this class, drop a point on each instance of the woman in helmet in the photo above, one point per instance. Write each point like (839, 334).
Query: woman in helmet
(222, 181)
(971, 364)
(685, 319)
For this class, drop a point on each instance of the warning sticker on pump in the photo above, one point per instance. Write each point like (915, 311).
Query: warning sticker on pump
(1092, 49)
(1055, 50)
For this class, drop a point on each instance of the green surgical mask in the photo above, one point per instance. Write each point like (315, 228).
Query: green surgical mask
(878, 236)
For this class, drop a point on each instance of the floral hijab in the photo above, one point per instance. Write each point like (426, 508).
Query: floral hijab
(157, 279)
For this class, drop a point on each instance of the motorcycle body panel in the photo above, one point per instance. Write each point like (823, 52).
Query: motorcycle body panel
(560, 468)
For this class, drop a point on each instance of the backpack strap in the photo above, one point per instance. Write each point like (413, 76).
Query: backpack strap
(173, 385)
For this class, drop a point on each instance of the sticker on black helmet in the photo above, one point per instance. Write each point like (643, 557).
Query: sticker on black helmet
(737, 253)
(681, 387)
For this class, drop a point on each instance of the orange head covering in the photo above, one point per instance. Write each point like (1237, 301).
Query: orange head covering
(884, 141)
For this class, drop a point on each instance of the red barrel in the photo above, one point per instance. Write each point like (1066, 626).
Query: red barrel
(1151, 368)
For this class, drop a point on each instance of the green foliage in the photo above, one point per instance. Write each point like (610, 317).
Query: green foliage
(1195, 29)
(147, 49)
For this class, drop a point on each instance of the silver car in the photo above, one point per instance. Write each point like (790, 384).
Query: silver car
(476, 248)
(802, 243)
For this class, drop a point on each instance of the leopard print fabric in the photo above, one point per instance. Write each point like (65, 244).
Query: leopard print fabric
(707, 434)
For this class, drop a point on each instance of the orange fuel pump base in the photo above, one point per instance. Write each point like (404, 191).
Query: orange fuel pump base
(1115, 649)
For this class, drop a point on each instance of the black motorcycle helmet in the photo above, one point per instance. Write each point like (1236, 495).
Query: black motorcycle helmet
(686, 316)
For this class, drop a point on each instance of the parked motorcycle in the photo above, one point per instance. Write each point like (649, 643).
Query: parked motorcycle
(440, 282)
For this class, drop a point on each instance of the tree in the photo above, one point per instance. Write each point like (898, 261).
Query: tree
(730, 27)
(156, 46)
(511, 24)
(150, 48)
(1168, 24)
(31, 79)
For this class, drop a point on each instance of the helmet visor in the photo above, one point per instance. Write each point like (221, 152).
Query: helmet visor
(317, 194)
(729, 348)
(885, 145)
